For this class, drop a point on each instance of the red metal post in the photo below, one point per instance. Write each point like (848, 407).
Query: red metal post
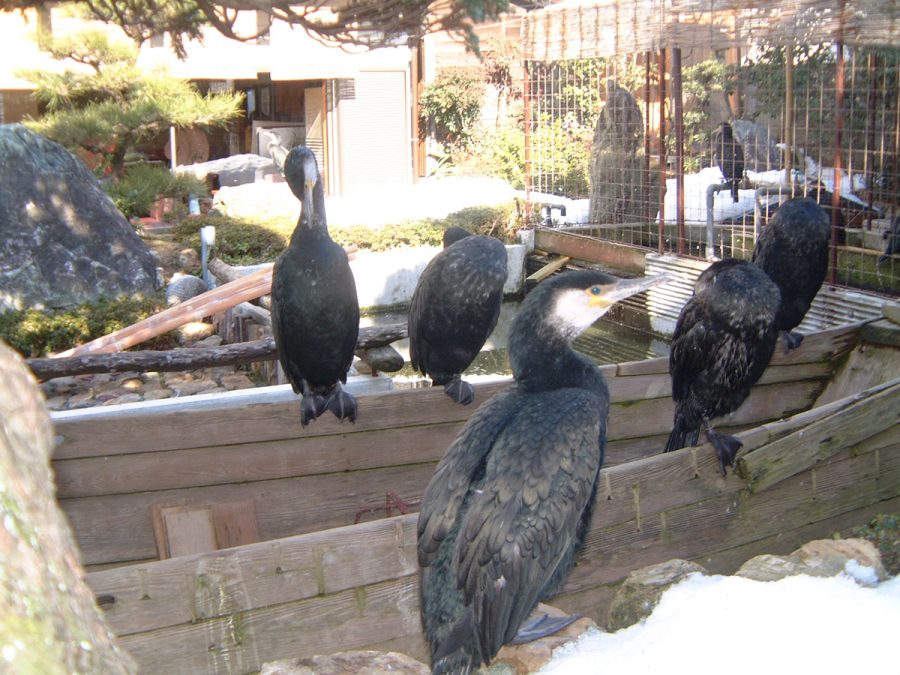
(678, 103)
(661, 68)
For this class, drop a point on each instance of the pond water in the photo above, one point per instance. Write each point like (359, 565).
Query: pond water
(607, 341)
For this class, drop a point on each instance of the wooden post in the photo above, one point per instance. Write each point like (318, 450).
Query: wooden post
(526, 97)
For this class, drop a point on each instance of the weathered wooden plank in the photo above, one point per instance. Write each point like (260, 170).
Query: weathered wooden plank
(170, 427)
(199, 587)
(863, 368)
(548, 269)
(616, 255)
(735, 518)
(766, 402)
(594, 601)
(859, 417)
(249, 462)
(241, 642)
(119, 529)
(188, 530)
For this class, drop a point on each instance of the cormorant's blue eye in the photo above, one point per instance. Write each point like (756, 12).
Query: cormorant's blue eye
(595, 290)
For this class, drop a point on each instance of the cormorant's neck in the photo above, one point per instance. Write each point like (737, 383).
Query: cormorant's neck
(314, 228)
(543, 359)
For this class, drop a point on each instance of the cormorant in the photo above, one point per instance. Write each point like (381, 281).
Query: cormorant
(315, 311)
(891, 242)
(455, 307)
(793, 250)
(729, 157)
(723, 340)
(510, 502)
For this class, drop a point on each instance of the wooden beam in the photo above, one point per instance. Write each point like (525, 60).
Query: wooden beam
(370, 337)
(548, 269)
(618, 256)
(850, 421)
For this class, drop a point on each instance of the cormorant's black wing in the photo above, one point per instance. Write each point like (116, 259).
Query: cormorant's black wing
(523, 524)
(690, 350)
(455, 472)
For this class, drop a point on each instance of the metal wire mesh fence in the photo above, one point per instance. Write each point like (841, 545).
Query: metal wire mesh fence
(680, 127)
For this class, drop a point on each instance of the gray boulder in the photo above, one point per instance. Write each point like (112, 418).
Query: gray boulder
(639, 594)
(64, 241)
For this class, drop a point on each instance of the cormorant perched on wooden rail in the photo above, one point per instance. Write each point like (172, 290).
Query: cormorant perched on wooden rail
(510, 502)
(793, 250)
(315, 311)
(729, 157)
(455, 308)
(723, 340)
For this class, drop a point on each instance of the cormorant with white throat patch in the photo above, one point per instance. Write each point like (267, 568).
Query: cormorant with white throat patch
(315, 311)
(723, 340)
(455, 308)
(510, 502)
(793, 250)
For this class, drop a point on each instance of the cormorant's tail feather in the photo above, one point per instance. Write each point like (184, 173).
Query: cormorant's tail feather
(342, 404)
(726, 447)
(734, 191)
(458, 652)
(678, 435)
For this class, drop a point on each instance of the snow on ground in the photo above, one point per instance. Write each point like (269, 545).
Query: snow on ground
(709, 625)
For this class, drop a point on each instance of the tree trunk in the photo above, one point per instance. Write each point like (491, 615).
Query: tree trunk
(49, 622)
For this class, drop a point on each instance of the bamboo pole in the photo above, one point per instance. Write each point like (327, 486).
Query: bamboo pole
(206, 304)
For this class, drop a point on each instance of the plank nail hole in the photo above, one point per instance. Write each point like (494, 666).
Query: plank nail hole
(106, 601)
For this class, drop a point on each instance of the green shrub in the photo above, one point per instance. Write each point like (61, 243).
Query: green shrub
(238, 241)
(143, 184)
(36, 333)
(452, 105)
(884, 532)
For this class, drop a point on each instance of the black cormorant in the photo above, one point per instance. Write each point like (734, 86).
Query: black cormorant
(455, 307)
(723, 340)
(729, 157)
(793, 250)
(510, 502)
(891, 238)
(315, 311)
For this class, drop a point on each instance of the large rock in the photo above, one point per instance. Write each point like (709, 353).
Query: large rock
(348, 663)
(639, 594)
(64, 241)
(857, 558)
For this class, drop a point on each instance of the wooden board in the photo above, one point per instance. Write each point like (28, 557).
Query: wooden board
(618, 256)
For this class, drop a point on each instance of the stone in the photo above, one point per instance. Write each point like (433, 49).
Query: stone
(190, 388)
(348, 663)
(124, 398)
(820, 558)
(57, 403)
(64, 241)
(236, 381)
(156, 394)
(83, 400)
(189, 260)
(211, 341)
(184, 287)
(640, 592)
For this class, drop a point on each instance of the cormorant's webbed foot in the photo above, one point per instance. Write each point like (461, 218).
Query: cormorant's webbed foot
(726, 447)
(460, 391)
(342, 404)
(542, 626)
(791, 340)
(311, 406)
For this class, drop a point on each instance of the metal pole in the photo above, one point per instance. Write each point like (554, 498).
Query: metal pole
(789, 116)
(838, 134)
(661, 69)
(679, 151)
(526, 95)
(870, 137)
(646, 191)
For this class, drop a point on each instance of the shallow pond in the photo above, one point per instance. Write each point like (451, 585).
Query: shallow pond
(607, 341)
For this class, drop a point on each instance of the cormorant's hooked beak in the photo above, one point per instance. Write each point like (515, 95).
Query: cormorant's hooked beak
(607, 294)
(309, 206)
